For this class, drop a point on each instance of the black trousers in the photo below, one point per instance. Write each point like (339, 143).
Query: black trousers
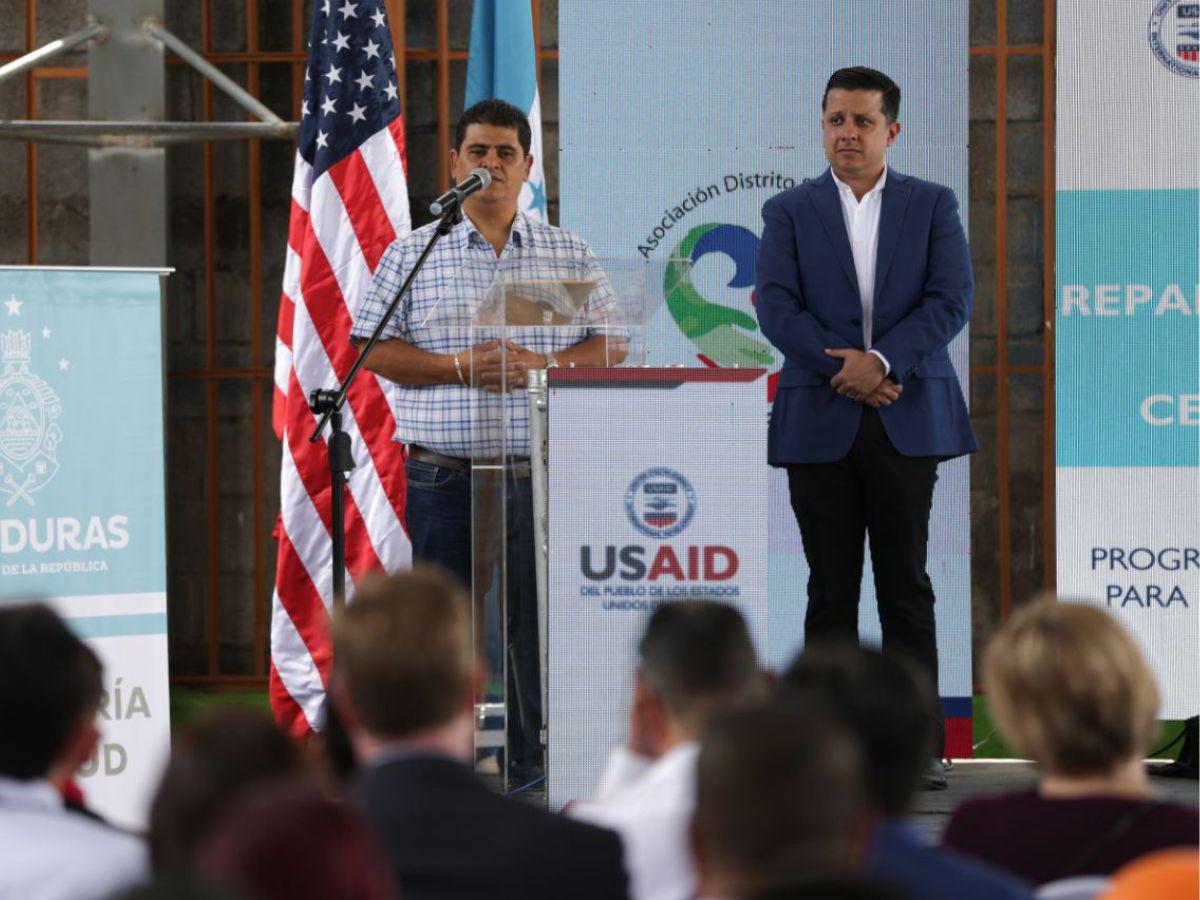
(877, 493)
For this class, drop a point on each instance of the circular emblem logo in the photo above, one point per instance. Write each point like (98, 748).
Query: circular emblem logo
(29, 430)
(660, 503)
(1175, 36)
(723, 335)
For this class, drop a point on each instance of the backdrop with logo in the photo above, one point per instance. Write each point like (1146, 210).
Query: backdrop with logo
(679, 119)
(82, 522)
(1128, 324)
(639, 517)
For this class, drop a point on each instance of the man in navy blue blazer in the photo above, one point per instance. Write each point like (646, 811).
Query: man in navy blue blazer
(862, 279)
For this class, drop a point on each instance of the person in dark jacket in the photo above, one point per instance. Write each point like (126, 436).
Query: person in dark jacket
(403, 682)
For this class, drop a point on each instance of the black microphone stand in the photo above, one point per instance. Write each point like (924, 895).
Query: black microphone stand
(328, 405)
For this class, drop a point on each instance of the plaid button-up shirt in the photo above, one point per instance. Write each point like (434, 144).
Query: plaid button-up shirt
(444, 310)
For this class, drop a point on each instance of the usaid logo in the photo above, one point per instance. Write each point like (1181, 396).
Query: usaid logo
(660, 502)
(1175, 36)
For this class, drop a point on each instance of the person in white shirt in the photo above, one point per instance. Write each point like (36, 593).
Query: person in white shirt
(50, 694)
(695, 659)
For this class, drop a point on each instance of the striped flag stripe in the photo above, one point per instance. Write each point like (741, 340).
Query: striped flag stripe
(329, 353)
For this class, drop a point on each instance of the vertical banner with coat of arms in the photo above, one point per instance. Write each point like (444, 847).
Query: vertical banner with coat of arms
(82, 522)
(714, 108)
(1127, 325)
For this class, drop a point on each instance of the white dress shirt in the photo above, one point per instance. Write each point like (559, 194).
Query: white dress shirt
(862, 228)
(51, 853)
(649, 803)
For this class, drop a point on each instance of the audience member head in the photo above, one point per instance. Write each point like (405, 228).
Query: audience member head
(1069, 688)
(885, 702)
(214, 762)
(288, 841)
(403, 664)
(695, 658)
(50, 692)
(778, 800)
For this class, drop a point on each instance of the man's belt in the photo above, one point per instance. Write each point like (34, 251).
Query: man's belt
(518, 466)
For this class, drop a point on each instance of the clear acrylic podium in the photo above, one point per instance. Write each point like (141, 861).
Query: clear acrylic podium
(507, 316)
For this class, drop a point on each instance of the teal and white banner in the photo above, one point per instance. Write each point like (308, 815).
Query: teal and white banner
(1127, 324)
(679, 119)
(82, 515)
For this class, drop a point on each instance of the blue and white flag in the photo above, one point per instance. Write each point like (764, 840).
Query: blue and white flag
(503, 64)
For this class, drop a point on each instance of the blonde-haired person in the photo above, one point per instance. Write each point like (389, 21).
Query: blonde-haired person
(1070, 689)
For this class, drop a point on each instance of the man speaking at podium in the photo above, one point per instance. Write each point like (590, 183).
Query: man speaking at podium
(434, 371)
(863, 278)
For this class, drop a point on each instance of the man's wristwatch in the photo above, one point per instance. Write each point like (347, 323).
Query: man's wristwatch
(551, 361)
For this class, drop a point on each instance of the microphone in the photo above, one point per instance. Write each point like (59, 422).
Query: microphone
(478, 180)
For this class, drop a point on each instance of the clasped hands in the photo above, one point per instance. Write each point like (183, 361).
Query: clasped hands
(862, 379)
(499, 365)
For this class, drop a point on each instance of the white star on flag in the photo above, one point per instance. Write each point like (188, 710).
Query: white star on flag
(304, 110)
(46, 333)
(357, 113)
(347, 10)
(365, 81)
(390, 90)
(14, 305)
(64, 364)
(334, 74)
(322, 139)
(392, 57)
(325, 7)
(342, 42)
(379, 18)
(372, 49)
(329, 106)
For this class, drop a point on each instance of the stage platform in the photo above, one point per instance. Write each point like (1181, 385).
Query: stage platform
(970, 778)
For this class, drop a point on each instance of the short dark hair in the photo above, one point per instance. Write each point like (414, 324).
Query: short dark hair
(861, 78)
(695, 652)
(49, 683)
(496, 112)
(778, 797)
(885, 701)
(402, 651)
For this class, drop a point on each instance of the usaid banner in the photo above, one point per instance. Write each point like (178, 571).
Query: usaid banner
(81, 498)
(714, 108)
(651, 501)
(1127, 323)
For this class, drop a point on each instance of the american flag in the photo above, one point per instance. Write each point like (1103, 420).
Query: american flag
(349, 201)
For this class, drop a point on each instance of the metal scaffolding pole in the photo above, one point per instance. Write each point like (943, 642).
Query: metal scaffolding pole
(141, 134)
(209, 71)
(35, 57)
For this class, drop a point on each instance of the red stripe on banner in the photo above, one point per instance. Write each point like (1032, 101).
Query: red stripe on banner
(304, 607)
(278, 412)
(287, 316)
(287, 711)
(960, 736)
(365, 207)
(323, 300)
(297, 227)
(396, 130)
